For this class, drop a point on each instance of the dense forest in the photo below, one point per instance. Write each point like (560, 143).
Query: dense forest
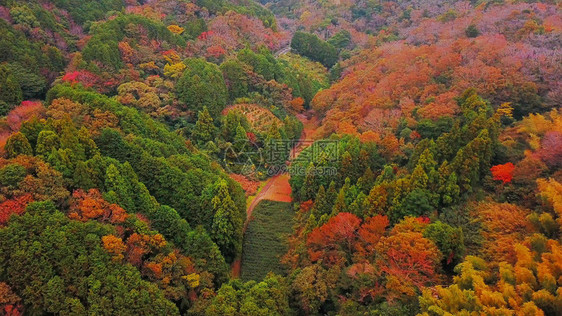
(280, 157)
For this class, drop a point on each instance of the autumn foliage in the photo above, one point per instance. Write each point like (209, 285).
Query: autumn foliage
(334, 239)
(503, 172)
(405, 261)
(15, 206)
(114, 246)
(90, 205)
(132, 133)
(248, 185)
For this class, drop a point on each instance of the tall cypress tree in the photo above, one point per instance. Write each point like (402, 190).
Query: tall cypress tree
(340, 206)
(83, 176)
(367, 181)
(376, 202)
(241, 139)
(205, 129)
(226, 229)
(309, 187)
(331, 194)
(321, 203)
(356, 207)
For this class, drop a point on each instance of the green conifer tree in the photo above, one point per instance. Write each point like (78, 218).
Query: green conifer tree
(16, 145)
(82, 177)
(321, 203)
(226, 229)
(308, 190)
(205, 129)
(340, 205)
(46, 142)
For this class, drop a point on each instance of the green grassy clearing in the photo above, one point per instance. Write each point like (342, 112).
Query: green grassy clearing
(264, 241)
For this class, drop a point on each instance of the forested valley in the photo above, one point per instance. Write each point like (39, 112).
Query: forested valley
(280, 157)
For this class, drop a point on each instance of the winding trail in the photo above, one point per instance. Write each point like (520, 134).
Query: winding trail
(277, 187)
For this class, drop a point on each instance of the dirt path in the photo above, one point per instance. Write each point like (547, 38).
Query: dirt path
(277, 187)
(310, 124)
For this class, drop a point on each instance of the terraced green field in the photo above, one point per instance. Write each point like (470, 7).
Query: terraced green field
(259, 117)
(264, 241)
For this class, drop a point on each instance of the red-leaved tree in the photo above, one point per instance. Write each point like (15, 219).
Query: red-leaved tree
(503, 172)
(16, 205)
